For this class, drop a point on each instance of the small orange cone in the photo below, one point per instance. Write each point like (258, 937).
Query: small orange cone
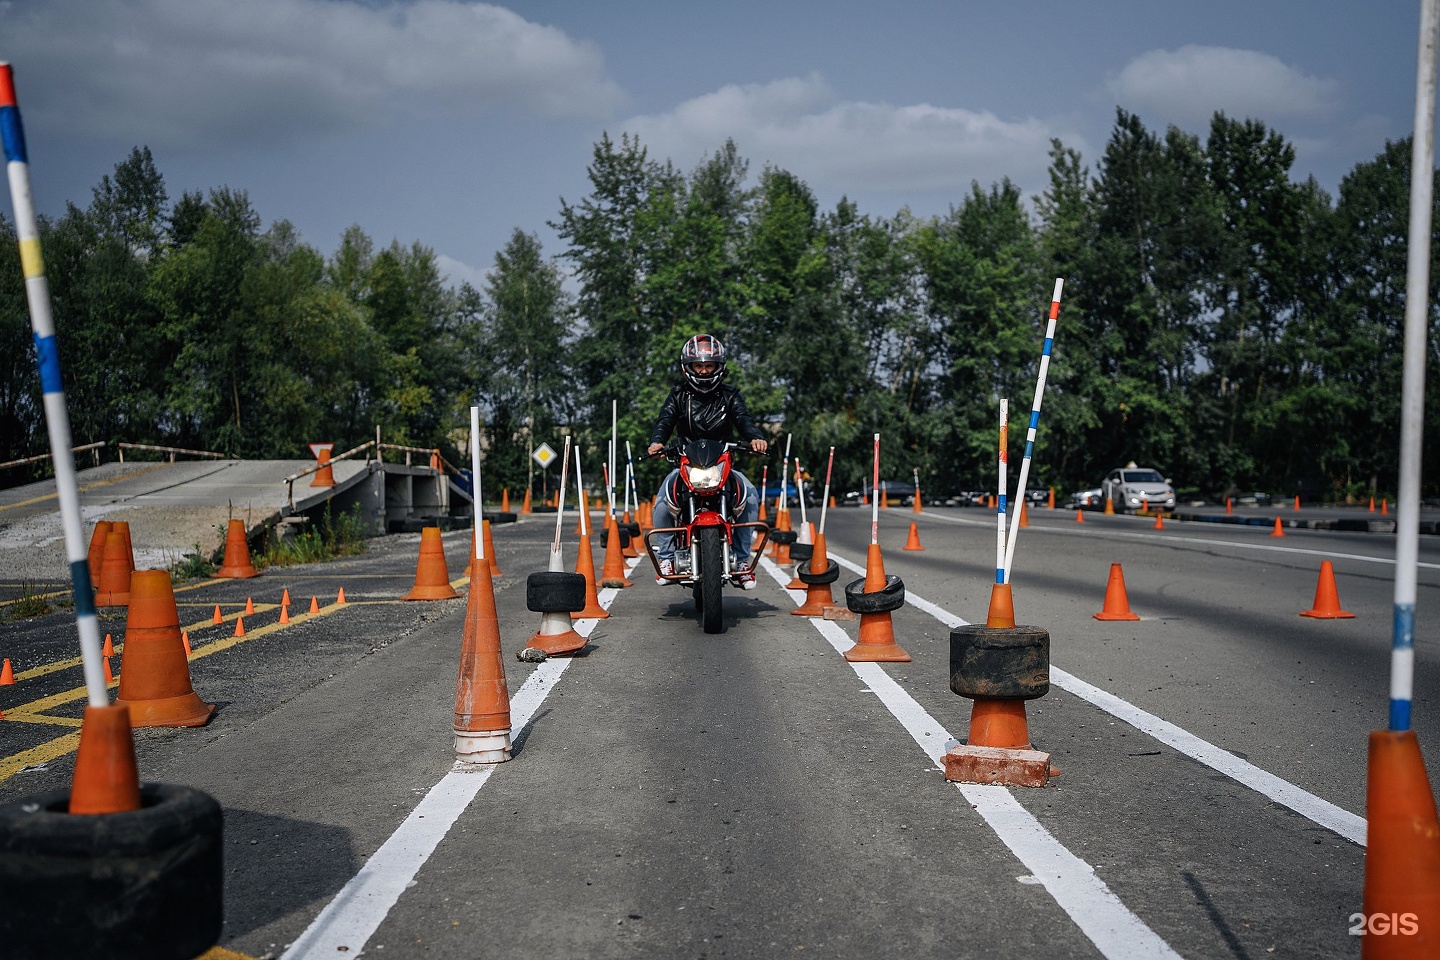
(432, 577)
(1117, 602)
(914, 542)
(1079, 516)
(505, 500)
(109, 674)
(340, 597)
(612, 574)
(556, 636)
(490, 556)
(1297, 501)
(763, 515)
(1050, 502)
(107, 779)
(1384, 507)
(114, 573)
(782, 550)
(108, 650)
(915, 505)
(314, 604)
(249, 606)
(154, 674)
(96, 555)
(525, 509)
(7, 673)
(1402, 851)
(877, 633)
(482, 699)
(237, 565)
(1159, 521)
(217, 618)
(185, 642)
(1229, 506)
(1279, 529)
(884, 498)
(285, 598)
(1024, 514)
(585, 566)
(1109, 506)
(284, 614)
(832, 501)
(325, 476)
(240, 626)
(817, 595)
(1372, 504)
(1327, 598)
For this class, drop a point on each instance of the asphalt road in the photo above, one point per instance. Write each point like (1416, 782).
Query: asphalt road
(753, 794)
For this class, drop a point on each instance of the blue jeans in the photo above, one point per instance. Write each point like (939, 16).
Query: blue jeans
(664, 516)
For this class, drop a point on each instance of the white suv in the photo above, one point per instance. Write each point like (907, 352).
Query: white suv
(1131, 488)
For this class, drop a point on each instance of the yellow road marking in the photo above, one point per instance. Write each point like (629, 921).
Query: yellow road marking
(43, 720)
(53, 750)
(87, 487)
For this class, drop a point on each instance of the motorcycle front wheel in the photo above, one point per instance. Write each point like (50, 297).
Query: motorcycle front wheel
(712, 574)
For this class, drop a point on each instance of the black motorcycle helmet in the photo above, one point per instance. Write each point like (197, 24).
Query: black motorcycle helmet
(703, 348)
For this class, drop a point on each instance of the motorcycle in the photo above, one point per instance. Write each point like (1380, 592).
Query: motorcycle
(707, 495)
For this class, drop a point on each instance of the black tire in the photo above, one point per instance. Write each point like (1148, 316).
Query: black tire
(801, 551)
(712, 574)
(830, 575)
(632, 528)
(142, 885)
(782, 536)
(624, 536)
(1011, 663)
(555, 592)
(498, 517)
(887, 598)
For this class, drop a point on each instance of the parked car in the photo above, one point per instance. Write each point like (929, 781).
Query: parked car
(1083, 499)
(1132, 488)
(901, 492)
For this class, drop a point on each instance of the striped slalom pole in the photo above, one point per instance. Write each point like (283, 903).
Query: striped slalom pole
(1000, 500)
(800, 492)
(765, 483)
(564, 479)
(785, 465)
(479, 500)
(57, 417)
(1034, 423)
(875, 496)
(825, 501)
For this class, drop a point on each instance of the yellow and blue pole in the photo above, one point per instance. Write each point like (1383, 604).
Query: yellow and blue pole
(57, 417)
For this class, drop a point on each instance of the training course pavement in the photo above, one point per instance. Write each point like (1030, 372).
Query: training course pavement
(752, 793)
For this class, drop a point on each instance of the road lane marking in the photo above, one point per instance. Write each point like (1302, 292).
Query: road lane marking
(1170, 538)
(348, 921)
(1116, 931)
(1308, 805)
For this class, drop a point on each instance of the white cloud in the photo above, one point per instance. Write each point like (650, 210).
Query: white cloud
(195, 72)
(800, 124)
(455, 272)
(1186, 87)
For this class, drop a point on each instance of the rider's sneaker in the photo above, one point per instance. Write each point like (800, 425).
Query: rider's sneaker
(667, 569)
(745, 580)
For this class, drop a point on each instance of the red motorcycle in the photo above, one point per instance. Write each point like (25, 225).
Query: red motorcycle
(708, 496)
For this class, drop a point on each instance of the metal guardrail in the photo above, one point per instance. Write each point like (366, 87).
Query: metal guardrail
(122, 447)
(94, 448)
(433, 453)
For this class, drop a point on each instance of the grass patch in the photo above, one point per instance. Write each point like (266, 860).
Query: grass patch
(342, 536)
(193, 566)
(29, 604)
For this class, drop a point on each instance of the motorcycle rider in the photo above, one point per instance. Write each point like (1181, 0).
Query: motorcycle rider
(701, 407)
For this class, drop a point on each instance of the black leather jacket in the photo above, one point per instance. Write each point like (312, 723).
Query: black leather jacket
(704, 416)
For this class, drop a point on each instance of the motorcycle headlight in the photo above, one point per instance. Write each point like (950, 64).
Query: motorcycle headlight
(705, 478)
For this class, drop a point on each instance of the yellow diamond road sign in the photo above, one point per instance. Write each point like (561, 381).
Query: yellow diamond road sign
(544, 455)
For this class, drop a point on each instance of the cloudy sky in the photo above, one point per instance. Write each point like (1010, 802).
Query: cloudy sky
(453, 122)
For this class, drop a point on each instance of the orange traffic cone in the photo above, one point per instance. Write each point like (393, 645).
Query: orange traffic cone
(884, 498)
(237, 565)
(817, 595)
(482, 700)
(806, 536)
(1327, 599)
(1159, 521)
(1117, 602)
(122, 527)
(1002, 607)
(915, 505)
(1297, 501)
(1402, 851)
(612, 574)
(782, 550)
(556, 636)
(96, 555)
(107, 779)
(525, 509)
(154, 674)
(1024, 514)
(109, 675)
(1079, 516)
(284, 614)
(1384, 507)
(340, 597)
(314, 604)
(218, 617)
(505, 500)
(585, 566)
(114, 573)
(108, 649)
(1279, 529)
(763, 515)
(1109, 506)
(914, 542)
(1229, 507)
(285, 597)
(249, 606)
(185, 642)
(877, 633)
(490, 556)
(627, 546)
(240, 626)
(325, 476)
(1372, 505)
(1050, 502)
(432, 577)
(7, 673)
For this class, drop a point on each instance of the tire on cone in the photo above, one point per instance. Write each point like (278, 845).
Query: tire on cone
(876, 642)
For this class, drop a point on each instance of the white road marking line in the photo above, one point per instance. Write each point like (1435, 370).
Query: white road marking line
(349, 920)
(1313, 808)
(1237, 544)
(1116, 932)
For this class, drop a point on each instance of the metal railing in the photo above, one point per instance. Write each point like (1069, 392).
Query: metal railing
(94, 448)
(122, 447)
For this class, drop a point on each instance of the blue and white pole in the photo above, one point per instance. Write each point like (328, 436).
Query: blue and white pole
(1034, 424)
(1000, 500)
(57, 417)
